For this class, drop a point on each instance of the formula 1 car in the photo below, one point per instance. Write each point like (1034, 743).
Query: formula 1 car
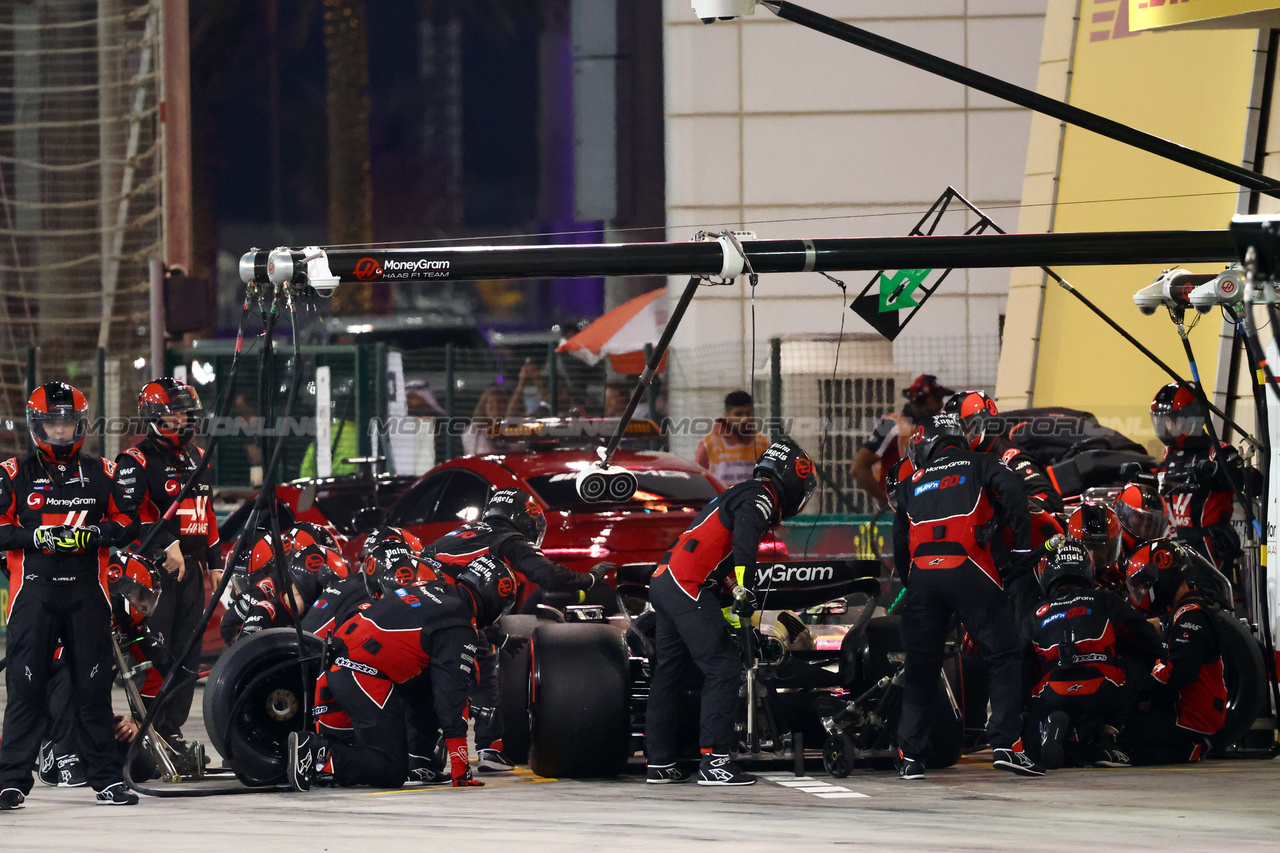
(579, 688)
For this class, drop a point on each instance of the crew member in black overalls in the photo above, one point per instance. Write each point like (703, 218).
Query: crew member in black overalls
(153, 473)
(511, 529)
(60, 510)
(951, 512)
(689, 592)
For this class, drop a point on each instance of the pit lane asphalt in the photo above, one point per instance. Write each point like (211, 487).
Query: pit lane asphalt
(1219, 805)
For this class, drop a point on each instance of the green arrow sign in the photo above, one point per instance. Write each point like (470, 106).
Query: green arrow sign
(895, 293)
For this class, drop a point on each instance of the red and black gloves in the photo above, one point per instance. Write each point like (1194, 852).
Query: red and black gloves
(460, 763)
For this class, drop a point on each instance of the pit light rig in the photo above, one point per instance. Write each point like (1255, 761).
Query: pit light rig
(712, 259)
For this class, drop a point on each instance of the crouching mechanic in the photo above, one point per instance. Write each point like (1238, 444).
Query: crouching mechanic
(951, 512)
(511, 530)
(1087, 686)
(375, 679)
(60, 510)
(688, 591)
(1186, 701)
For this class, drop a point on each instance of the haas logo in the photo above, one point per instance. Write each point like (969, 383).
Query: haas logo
(35, 500)
(506, 586)
(1181, 506)
(367, 268)
(171, 487)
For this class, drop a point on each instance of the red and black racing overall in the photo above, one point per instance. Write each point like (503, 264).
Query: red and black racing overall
(1189, 703)
(946, 537)
(1196, 484)
(1035, 478)
(688, 590)
(1079, 635)
(153, 474)
(411, 653)
(60, 597)
(495, 536)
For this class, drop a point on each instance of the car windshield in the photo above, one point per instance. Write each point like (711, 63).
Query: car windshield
(342, 506)
(558, 491)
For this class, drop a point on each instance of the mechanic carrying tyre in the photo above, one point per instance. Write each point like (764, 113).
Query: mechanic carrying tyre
(60, 510)
(949, 551)
(374, 679)
(686, 591)
(511, 530)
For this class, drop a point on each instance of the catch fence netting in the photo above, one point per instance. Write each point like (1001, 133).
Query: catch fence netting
(81, 190)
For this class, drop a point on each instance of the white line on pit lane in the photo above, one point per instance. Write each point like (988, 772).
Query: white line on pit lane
(809, 785)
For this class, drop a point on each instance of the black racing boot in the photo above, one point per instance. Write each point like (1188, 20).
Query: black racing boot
(1015, 761)
(10, 799)
(428, 771)
(1107, 753)
(910, 769)
(492, 760)
(307, 754)
(665, 774)
(718, 769)
(1053, 733)
(117, 795)
(47, 765)
(70, 772)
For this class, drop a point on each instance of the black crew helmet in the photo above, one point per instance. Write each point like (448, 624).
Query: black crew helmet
(492, 585)
(785, 464)
(521, 510)
(1070, 561)
(937, 431)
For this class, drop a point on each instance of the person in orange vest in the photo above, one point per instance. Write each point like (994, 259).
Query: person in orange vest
(731, 450)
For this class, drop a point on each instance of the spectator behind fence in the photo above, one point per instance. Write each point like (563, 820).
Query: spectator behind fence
(490, 408)
(731, 450)
(887, 445)
(616, 395)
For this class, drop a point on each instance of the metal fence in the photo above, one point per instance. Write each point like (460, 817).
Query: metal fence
(827, 393)
(444, 390)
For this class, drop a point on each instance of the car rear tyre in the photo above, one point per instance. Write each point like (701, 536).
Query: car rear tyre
(255, 696)
(1245, 674)
(580, 686)
(513, 699)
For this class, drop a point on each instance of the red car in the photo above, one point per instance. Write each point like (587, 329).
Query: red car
(579, 534)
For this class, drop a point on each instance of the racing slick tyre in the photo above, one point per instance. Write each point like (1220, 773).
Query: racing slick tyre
(513, 699)
(255, 696)
(1245, 673)
(579, 701)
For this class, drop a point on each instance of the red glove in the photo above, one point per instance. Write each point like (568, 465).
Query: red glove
(460, 763)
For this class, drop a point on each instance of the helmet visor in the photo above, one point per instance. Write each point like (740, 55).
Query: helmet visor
(1141, 523)
(141, 598)
(60, 429)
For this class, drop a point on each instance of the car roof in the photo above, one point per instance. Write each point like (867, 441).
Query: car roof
(537, 463)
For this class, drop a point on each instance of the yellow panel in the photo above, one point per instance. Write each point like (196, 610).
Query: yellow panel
(1156, 82)
(1145, 14)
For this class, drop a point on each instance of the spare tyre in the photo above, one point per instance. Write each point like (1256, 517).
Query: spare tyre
(579, 700)
(1245, 674)
(255, 695)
